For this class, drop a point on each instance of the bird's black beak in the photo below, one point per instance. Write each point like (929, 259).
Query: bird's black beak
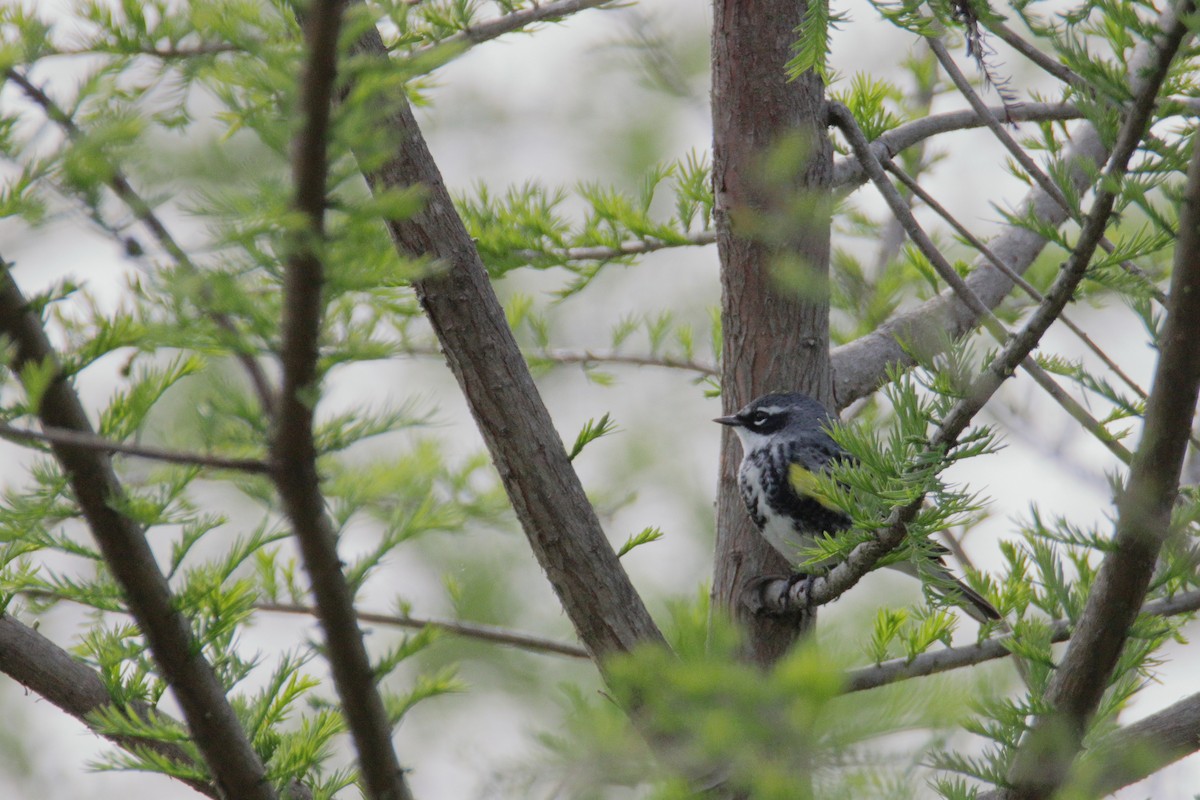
(730, 420)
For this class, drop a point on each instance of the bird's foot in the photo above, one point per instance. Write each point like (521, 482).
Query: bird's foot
(795, 580)
(774, 595)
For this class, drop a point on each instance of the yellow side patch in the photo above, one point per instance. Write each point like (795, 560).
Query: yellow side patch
(806, 485)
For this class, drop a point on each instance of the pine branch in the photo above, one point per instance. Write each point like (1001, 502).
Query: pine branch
(123, 189)
(1144, 508)
(293, 449)
(213, 725)
(100, 444)
(469, 630)
(932, 663)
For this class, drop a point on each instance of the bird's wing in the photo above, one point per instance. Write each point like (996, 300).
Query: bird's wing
(807, 458)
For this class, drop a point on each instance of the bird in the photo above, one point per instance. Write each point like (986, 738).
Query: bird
(784, 442)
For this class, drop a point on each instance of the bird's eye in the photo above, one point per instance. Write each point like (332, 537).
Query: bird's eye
(759, 418)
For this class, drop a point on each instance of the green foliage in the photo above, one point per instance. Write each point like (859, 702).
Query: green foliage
(895, 467)
(525, 226)
(592, 430)
(646, 535)
(812, 48)
(868, 100)
(722, 722)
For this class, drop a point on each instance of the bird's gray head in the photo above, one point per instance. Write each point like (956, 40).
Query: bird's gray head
(768, 415)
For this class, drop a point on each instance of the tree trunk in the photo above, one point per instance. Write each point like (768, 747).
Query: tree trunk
(772, 163)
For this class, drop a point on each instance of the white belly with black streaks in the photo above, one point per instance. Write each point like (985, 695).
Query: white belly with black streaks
(777, 529)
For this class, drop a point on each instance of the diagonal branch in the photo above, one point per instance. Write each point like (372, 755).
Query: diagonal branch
(1071, 406)
(1144, 508)
(561, 525)
(213, 725)
(860, 365)
(1020, 281)
(46, 669)
(1141, 749)
(901, 212)
(1043, 60)
(293, 449)
(993, 124)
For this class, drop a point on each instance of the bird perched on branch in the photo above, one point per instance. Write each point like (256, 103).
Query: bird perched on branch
(784, 442)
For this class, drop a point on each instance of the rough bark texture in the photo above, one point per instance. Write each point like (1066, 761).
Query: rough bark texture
(467, 317)
(772, 164)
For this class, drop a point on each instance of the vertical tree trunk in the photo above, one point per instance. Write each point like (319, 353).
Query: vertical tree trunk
(772, 163)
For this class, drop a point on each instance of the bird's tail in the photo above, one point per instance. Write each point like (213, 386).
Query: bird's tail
(971, 601)
(947, 585)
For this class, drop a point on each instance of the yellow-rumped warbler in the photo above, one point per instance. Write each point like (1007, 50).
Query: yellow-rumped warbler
(784, 441)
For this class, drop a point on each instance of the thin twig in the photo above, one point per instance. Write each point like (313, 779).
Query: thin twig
(293, 448)
(470, 630)
(94, 442)
(848, 172)
(142, 210)
(632, 247)
(607, 357)
(170, 53)
(507, 23)
(587, 357)
(901, 669)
